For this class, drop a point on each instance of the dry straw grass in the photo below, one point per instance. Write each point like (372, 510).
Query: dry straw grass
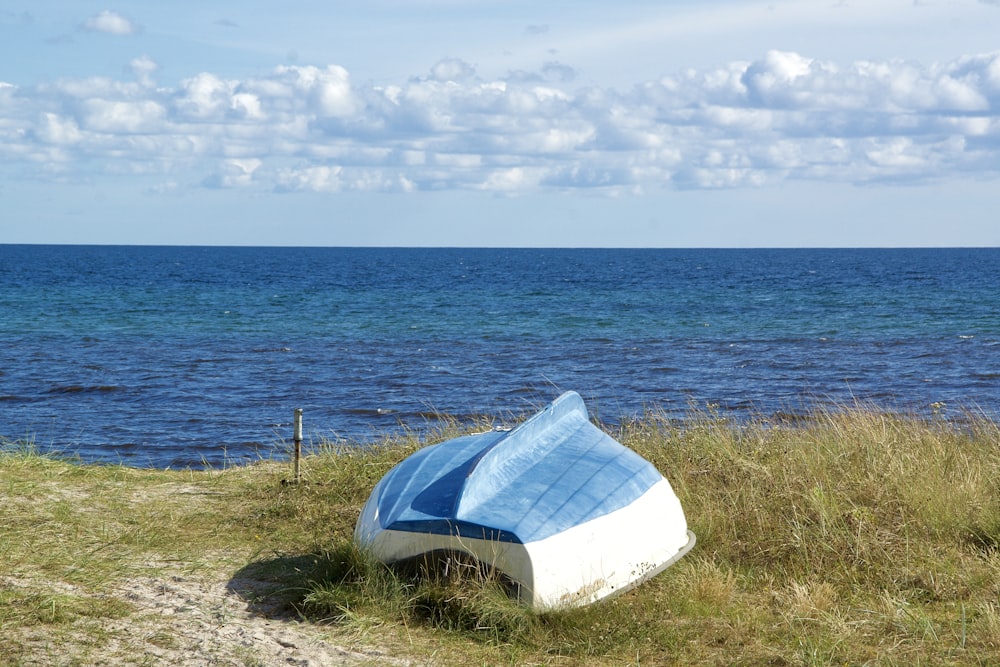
(849, 537)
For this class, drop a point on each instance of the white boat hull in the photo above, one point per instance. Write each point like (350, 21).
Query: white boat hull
(567, 515)
(579, 566)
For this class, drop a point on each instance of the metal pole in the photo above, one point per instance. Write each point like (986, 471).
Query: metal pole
(298, 441)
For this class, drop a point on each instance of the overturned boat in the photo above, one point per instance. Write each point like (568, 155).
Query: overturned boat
(564, 512)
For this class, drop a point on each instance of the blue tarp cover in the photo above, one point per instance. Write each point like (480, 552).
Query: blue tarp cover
(553, 472)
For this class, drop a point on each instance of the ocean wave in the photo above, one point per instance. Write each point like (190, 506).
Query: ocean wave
(85, 389)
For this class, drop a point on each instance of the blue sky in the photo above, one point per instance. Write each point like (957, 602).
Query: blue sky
(506, 123)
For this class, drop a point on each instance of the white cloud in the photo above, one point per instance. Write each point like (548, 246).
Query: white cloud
(53, 129)
(897, 153)
(452, 69)
(327, 91)
(773, 80)
(143, 68)
(510, 180)
(336, 178)
(247, 105)
(111, 23)
(234, 173)
(785, 116)
(205, 96)
(115, 117)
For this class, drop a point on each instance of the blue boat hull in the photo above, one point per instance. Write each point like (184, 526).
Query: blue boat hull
(565, 512)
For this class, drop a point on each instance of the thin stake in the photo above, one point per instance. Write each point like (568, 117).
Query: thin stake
(298, 442)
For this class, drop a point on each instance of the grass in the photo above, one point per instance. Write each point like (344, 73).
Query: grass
(850, 537)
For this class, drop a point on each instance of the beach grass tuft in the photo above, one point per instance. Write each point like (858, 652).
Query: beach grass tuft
(846, 536)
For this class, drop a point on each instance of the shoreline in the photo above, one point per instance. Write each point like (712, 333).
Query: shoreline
(434, 424)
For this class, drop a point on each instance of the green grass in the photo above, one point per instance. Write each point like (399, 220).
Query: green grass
(849, 537)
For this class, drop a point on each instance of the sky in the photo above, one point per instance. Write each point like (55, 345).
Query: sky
(634, 123)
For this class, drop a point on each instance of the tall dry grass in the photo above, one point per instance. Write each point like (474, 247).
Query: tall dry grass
(850, 536)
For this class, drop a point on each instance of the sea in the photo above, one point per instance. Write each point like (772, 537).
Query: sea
(193, 357)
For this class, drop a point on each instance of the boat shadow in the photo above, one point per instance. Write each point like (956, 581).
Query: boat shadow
(275, 588)
(318, 587)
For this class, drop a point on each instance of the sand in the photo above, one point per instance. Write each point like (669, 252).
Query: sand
(181, 619)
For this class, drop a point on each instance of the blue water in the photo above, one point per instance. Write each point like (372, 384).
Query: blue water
(191, 356)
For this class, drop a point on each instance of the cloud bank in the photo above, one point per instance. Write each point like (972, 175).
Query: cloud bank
(782, 117)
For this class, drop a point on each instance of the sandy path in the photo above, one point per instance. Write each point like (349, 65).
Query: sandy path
(186, 620)
(211, 624)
